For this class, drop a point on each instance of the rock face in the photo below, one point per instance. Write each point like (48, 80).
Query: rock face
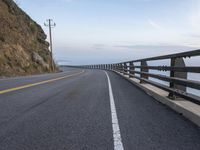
(23, 46)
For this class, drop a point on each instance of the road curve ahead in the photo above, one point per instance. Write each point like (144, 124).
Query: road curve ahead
(87, 110)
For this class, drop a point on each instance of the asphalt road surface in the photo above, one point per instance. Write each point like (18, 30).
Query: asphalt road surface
(87, 110)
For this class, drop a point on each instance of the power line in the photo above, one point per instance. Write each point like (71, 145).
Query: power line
(49, 23)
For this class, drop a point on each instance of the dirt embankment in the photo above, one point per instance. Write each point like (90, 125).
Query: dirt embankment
(23, 46)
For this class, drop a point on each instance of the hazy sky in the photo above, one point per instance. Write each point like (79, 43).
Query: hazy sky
(105, 31)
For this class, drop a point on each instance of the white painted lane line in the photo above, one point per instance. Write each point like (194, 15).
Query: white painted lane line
(115, 125)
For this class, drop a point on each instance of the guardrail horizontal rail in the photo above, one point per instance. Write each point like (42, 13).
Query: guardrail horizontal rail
(189, 83)
(178, 55)
(177, 80)
(191, 97)
(167, 68)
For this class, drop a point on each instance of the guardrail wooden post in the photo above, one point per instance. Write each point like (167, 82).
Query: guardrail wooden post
(118, 67)
(115, 67)
(131, 69)
(125, 69)
(143, 69)
(177, 62)
(111, 67)
(122, 67)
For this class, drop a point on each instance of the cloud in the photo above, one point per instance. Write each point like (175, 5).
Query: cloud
(63, 60)
(154, 24)
(194, 20)
(193, 35)
(158, 47)
(99, 46)
(193, 16)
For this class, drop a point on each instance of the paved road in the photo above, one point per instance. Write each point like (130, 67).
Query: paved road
(72, 111)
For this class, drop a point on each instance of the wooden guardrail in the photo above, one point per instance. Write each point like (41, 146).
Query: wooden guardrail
(178, 81)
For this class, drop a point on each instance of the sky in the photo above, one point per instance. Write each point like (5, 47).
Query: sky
(109, 31)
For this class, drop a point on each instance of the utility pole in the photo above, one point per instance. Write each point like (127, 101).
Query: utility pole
(49, 23)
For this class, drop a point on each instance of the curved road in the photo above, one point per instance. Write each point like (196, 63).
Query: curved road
(81, 110)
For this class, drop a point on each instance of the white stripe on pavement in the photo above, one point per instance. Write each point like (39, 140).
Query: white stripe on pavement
(115, 125)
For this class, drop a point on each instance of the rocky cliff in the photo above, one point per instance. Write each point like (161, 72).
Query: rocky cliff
(23, 46)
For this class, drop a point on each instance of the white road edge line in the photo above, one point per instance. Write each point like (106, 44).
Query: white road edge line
(115, 125)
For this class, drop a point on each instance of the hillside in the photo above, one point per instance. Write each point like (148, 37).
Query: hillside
(23, 46)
